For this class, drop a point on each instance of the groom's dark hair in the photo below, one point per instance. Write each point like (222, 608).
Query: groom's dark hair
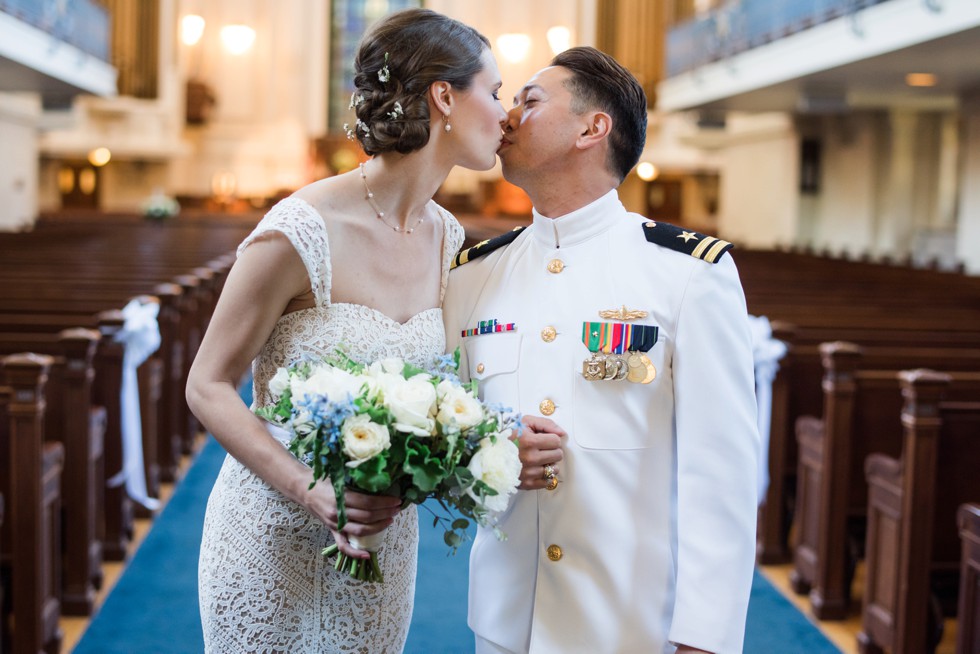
(600, 82)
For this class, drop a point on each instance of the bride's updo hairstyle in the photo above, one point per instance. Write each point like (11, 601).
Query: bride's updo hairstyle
(396, 62)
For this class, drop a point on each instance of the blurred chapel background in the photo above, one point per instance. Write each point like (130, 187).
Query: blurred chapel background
(835, 142)
(850, 127)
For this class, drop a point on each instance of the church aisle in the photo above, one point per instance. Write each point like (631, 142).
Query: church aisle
(152, 604)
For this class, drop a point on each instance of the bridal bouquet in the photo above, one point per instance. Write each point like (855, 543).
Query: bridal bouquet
(395, 429)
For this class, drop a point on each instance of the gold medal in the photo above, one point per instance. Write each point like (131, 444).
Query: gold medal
(611, 368)
(594, 368)
(637, 370)
(651, 369)
(622, 368)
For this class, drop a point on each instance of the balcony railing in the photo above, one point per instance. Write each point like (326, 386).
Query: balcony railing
(82, 23)
(741, 25)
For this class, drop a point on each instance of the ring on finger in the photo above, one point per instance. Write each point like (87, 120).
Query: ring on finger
(550, 471)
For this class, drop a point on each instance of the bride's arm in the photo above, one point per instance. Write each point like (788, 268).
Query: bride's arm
(266, 277)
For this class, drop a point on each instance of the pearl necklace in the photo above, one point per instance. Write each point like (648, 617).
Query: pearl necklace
(369, 196)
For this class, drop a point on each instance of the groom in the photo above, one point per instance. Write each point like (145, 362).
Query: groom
(638, 534)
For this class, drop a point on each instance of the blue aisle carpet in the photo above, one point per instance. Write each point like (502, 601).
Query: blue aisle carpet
(153, 608)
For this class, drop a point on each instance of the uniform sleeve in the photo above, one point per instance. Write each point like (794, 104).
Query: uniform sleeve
(302, 225)
(717, 452)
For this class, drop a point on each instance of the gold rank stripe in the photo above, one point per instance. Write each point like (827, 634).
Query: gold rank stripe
(717, 250)
(485, 247)
(710, 248)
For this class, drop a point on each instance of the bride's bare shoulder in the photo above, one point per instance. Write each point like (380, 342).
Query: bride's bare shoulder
(331, 197)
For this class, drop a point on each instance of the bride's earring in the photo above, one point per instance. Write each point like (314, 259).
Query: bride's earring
(445, 119)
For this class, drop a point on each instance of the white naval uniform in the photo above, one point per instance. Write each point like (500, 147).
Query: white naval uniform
(653, 523)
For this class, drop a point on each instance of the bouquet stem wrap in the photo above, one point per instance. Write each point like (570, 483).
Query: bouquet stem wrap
(363, 569)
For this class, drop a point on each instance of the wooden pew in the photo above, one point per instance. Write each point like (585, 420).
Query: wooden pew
(913, 549)
(861, 415)
(2, 611)
(797, 391)
(968, 612)
(30, 544)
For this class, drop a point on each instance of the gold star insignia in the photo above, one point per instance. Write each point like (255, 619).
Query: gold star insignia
(687, 236)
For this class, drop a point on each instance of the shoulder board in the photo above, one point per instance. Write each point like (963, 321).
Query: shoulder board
(699, 246)
(486, 247)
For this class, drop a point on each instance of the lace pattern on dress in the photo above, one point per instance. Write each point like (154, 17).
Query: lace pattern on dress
(298, 221)
(263, 586)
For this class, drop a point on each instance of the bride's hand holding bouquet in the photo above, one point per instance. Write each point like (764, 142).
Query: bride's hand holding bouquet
(393, 429)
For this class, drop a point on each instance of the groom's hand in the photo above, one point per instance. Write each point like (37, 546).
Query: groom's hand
(540, 446)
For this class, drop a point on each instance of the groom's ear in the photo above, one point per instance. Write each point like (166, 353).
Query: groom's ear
(441, 96)
(597, 127)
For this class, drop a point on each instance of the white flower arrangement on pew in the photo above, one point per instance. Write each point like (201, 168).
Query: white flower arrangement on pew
(395, 429)
(160, 206)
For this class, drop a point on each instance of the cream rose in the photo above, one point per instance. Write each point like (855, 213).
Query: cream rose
(363, 439)
(279, 383)
(458, 407)
(412, 402)
(498, 465)
(333, 383)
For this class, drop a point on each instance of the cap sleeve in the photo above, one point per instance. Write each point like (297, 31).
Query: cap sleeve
(299, 222)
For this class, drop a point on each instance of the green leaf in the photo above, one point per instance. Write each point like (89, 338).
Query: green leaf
(426, 470)
(371, 475)
(461, 523)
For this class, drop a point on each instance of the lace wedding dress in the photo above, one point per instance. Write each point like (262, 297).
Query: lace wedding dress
(263, 585)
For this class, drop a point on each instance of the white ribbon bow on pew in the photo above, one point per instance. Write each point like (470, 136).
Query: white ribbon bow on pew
(141, 337)
(766, 353)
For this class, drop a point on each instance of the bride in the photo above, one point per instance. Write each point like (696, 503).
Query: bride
(360, 259)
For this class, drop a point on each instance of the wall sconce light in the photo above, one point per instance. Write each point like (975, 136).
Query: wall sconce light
(514, 47)
(647, 171)
(559, 39)
(921, 79)
(191, 29)
(99, 157)
(237, 38)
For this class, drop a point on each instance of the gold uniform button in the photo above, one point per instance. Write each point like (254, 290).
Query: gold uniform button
(548, 334)
(556, 266)
(552, 483)
(547, 407)
(554, 553)
(480, 368)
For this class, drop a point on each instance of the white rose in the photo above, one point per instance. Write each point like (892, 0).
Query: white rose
(498, 465)
(381, 367)
(456, 406)
(363, 439)
(279, 383)
(331, 382)
(412, 402)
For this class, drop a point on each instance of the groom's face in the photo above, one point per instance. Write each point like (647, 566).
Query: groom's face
(541, 129)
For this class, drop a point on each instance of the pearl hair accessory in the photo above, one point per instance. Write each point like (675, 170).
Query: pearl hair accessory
(369, 196)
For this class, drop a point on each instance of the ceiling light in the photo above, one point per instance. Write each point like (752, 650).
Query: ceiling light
(237, 38)
(920, 79)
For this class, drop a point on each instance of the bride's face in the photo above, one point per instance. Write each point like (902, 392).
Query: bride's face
(476, 119)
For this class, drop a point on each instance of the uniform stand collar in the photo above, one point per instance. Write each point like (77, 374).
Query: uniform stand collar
(579, 225)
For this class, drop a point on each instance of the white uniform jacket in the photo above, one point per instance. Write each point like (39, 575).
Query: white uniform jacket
(649, 538)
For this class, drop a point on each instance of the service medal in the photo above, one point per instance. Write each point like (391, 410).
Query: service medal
(594, 368)
(637, 370)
